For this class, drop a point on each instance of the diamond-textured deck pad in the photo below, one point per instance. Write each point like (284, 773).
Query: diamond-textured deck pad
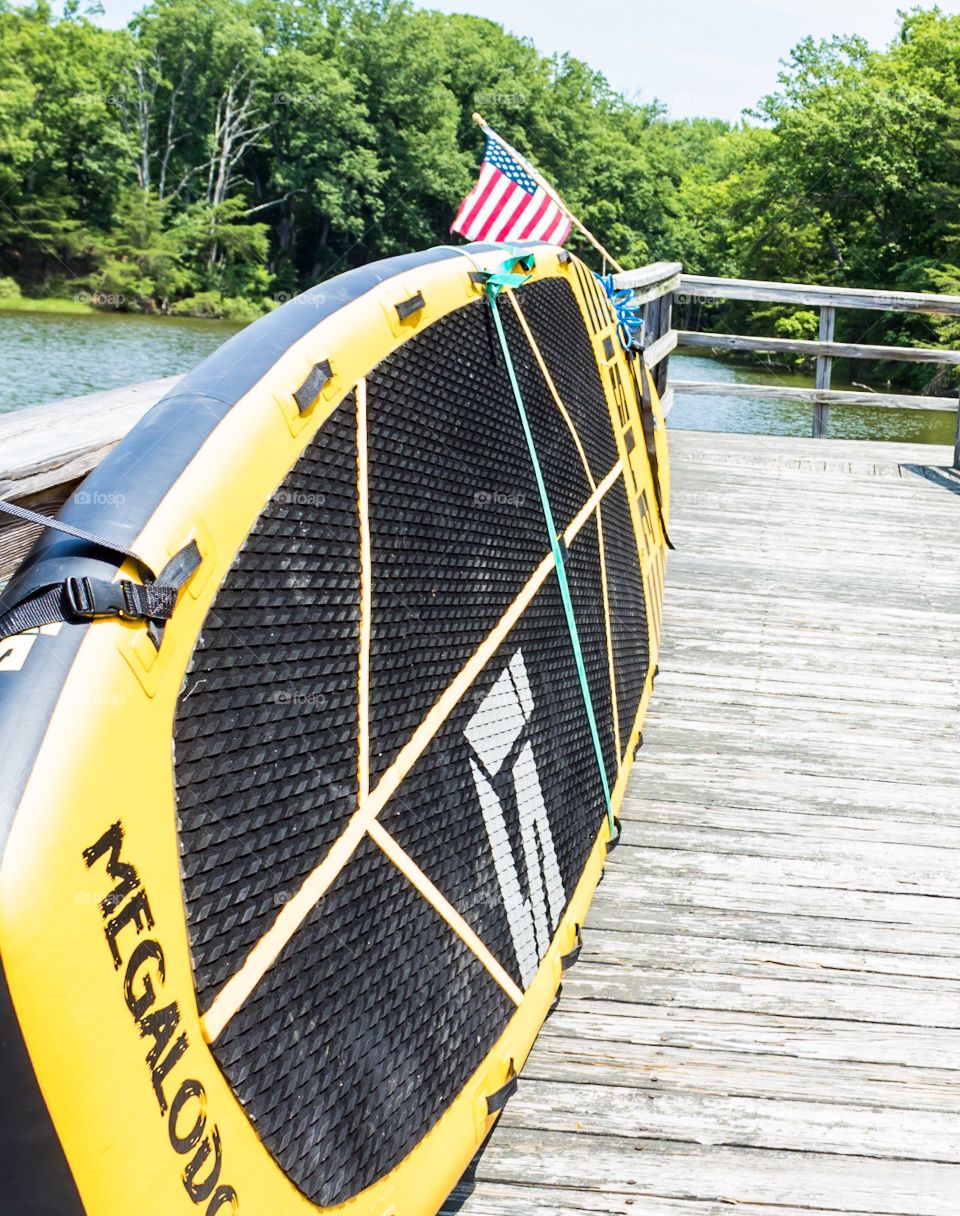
(554, 318)
(628, 608)
(456, 522)
(375, 1014)
(466, 834)
(266, 727)
(373, 1017)
(583, 572)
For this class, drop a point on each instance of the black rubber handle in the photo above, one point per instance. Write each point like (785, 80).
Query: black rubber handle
(497, 1101)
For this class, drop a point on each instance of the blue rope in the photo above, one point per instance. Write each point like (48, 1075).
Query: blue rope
(629, 314)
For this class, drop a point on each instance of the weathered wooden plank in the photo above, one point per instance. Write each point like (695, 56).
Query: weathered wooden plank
(705, 447)
(824, 370)
(866, 496)
(797, 1125)
(714, 288)
(788, 608)
(930, 881)
(787, 763)
(849, 637)
(664, 287)
(46, 446)
(622, 945)
(797, 346)
(926, 947)
(821, 714)
(667, 401)
(798, 683)
(690, 889)
(817, 715)
(17, 538)
(653, 275)
(779, 827)
(830, 997)
(813, 396)
(576, 1056)
(659, 350)
(637, 1170)
(751, 787)
(516, 1199)
(831, 750)
(751, 1032)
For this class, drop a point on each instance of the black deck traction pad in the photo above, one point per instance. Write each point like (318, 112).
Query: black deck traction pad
(586, 592)
(358, 1038)
(376, 1014)
(456, 523)
(265, 733)
(551, 310)
(436, 815)
(628, 610)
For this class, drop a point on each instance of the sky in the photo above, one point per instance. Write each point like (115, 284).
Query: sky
(710, 58)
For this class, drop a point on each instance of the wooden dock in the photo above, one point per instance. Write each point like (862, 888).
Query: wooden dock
(765, 1018)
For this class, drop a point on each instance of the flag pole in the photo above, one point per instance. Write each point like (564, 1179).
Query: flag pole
(541, 181)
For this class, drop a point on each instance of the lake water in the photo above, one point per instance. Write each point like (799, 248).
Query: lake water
(45, 356)
(789, 418)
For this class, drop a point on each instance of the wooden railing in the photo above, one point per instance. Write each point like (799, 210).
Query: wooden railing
(825, 350)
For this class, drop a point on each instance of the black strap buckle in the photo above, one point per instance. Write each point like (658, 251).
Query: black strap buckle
(92, 597)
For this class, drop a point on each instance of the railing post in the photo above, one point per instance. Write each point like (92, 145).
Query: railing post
(651, 321)
(664, 327)
(956, 446)
(652, 289)
(821, 413)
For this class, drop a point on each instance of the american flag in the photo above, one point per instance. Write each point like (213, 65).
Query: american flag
(507, 204)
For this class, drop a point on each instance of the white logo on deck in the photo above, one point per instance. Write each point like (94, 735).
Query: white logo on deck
(492, 734)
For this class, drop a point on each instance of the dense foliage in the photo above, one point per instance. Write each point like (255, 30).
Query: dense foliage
(219, 154)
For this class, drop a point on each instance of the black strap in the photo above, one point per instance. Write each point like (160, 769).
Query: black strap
(567, 960)
(498, 1100)
(648, 424)
(82, 598)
